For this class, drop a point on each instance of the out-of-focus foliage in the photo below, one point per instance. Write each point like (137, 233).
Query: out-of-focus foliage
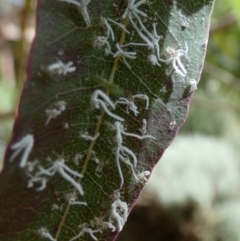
(17, 22)
(7, 95)
(215, 108)
(205, 170)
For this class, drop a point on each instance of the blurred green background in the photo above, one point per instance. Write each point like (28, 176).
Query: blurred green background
(194, 192)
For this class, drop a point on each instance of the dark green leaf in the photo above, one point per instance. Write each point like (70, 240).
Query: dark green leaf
(59, 113)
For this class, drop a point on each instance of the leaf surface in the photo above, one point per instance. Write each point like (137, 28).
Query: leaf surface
(103, 142)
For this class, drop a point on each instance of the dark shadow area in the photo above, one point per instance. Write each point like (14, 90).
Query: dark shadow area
(156, 223)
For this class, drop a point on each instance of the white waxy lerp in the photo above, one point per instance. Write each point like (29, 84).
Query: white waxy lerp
(82, 6)
(60, 167)
(25, 145)
(105, 102)
(44, 233)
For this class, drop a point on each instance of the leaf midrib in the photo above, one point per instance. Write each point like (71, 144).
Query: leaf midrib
(98, 126)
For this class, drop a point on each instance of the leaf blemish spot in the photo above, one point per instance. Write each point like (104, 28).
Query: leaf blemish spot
(171, 125)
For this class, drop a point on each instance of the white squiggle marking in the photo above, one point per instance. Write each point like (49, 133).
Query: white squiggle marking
(119, 213)
(60, 167)
(100, 41)
(55, 207)
(71, 199)
(82, 6)
(86, 229)
(120, 150)
(133, 11)
(124, 54)
(56, 110)
(109, 29)
(193, 85)
(78, 157)
(143, 130)
(130, 105)
(156, 39)
(142, 96)
(44, 233)
(66, 126)
(119, 25)
(34, 179)
(86, 137)
(119, 126)
(61, 207)
(30, 166)
(133, 7)
(151, 39)
(97, 103)
(95, 99)
(60, 68)
(153, 59)
(123, 153)
(142, 177)
(99, 163)
(173, 58)
(124, 157)
(104, 225)
(134, 44)
(26, 145)
(141, 35)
